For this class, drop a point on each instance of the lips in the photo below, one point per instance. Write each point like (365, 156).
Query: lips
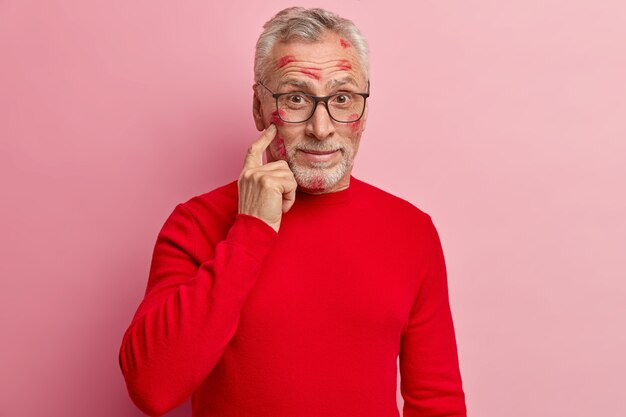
(319, 152)
(319, 156)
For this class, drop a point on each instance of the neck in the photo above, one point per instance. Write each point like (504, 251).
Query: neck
(343, 184)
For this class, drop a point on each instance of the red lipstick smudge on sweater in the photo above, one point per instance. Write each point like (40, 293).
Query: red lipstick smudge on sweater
(344, 43)
(276, 119)
(284, 61)
(311, 73)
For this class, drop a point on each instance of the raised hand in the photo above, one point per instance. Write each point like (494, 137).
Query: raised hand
(265, 191)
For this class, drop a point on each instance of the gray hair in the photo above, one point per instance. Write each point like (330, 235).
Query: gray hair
(308, 25)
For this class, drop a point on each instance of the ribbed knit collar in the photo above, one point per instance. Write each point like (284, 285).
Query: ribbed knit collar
(337, 197)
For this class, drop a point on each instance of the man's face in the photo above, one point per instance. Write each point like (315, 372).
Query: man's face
(319, 151)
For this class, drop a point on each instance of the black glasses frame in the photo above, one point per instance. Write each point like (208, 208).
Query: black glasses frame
(318, 99)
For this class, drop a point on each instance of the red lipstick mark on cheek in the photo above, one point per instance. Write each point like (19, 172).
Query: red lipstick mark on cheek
(345, 65)
(280, 145)
(344, 43)
(311, 73)
(355, 126)
(284, 61)
(276, 119)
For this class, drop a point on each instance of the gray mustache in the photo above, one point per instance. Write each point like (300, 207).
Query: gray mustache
(322, 148)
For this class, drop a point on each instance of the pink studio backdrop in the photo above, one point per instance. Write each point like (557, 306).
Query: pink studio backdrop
(506, 121)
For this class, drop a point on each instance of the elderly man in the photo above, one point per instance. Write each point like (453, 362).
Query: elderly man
(292, 291)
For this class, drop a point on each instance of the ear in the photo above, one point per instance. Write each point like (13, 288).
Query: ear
(257, 110)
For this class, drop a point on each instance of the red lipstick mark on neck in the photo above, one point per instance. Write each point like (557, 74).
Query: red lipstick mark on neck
(317, 183)
(344, 43)
(284, 61)
(345, 65)
(311, 73)
(276, 118)
(355, 126)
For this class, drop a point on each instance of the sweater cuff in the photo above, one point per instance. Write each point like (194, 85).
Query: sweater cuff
(253, 235)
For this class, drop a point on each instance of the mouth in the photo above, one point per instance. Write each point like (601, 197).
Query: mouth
(319, 152)
(319, 156)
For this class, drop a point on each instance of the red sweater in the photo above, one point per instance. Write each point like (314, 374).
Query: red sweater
(306, 322)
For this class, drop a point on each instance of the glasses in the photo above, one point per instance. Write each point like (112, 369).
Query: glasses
(297, 107)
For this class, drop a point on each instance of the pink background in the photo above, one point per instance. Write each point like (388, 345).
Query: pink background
(506, 121)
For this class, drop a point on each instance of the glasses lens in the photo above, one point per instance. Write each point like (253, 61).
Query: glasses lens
(295, 107)
(298, 107)
(346, 107)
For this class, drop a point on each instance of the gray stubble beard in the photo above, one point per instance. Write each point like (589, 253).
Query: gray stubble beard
(318, 176)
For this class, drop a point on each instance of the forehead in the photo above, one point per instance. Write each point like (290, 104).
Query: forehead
(330, 57)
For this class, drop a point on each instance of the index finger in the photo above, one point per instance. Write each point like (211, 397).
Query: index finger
(254, 158)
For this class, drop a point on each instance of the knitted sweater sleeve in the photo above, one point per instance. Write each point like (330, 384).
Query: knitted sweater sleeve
(191, 308)
(431, 383)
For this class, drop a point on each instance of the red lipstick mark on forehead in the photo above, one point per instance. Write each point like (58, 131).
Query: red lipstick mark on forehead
(344, 43)
(284, 61)
(276, 118)
(311, 73)
(345, 65)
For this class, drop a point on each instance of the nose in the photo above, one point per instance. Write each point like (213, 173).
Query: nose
(320, 125)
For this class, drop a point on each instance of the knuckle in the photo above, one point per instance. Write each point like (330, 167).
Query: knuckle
(265, 181)
(253, 148)
(257, 176)
(246, 175)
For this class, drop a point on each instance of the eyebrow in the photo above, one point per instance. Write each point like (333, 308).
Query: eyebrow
(329, 85)
(342, 81)
(294, 82)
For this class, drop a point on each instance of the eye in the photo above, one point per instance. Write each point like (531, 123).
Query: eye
(295, 99)
(342, 98)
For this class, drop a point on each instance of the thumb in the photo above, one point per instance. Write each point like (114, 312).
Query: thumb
(288, 199)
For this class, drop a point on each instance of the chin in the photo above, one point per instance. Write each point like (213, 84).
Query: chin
(319, 180)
